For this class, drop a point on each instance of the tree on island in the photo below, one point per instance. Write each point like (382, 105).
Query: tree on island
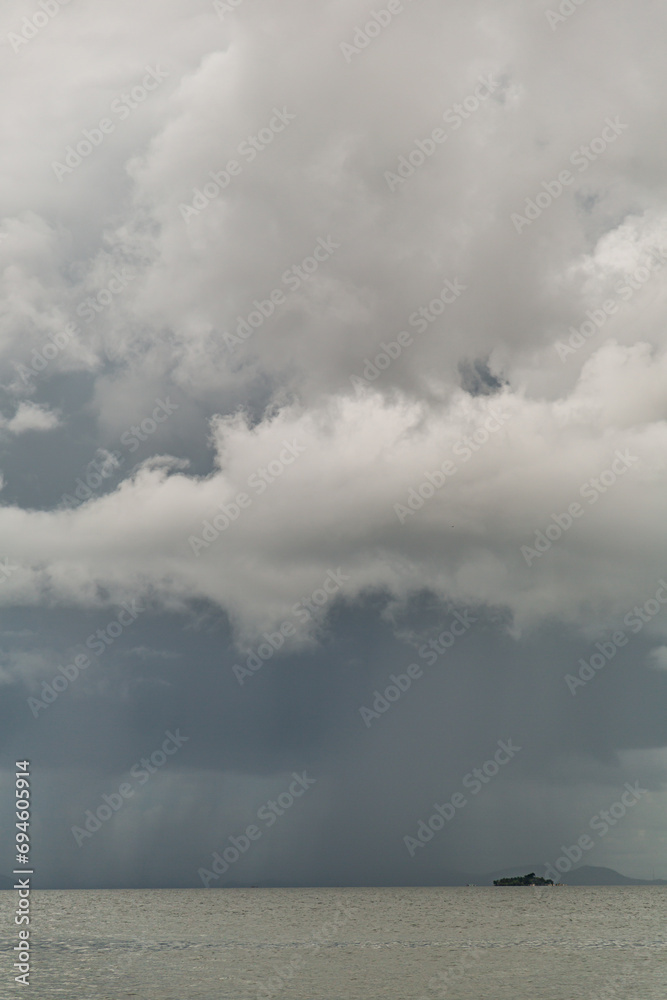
(530, 879)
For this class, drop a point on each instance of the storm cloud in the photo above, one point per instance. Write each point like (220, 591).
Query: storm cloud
(333, 434)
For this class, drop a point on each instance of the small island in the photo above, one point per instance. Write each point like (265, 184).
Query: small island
(530, 879)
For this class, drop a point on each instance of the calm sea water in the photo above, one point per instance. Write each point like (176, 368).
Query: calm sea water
(344, 944)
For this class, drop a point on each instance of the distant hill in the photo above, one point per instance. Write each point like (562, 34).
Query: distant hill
(590, 875)
(585, 875)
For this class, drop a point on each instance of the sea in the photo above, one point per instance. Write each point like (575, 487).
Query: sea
(473, 943)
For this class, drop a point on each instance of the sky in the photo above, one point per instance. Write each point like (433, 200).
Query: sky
(333, 429)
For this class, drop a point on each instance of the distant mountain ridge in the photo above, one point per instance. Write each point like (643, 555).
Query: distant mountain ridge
(586, 875)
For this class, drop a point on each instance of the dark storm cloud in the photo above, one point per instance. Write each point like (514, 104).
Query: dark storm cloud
(376, 776)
